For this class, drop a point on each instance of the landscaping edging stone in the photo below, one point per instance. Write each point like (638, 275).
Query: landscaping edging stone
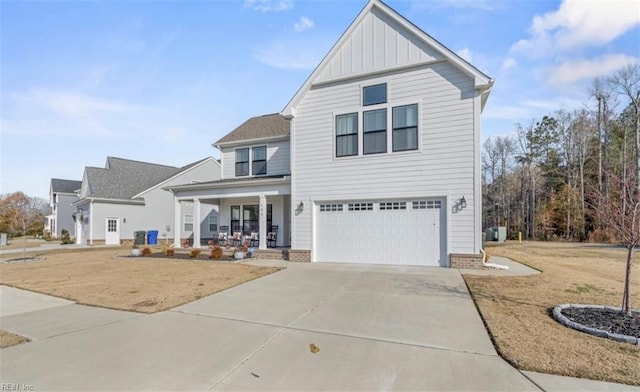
(562, 319)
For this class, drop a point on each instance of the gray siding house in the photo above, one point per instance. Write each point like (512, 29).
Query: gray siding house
(62, 193)
(128, 196)
(384, 154)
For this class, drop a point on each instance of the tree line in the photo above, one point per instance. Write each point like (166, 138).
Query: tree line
(566, 175)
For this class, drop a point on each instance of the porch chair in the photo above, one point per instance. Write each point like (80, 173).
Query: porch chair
(272, 237)
(254, 239)
(223, 235)
(237, 238)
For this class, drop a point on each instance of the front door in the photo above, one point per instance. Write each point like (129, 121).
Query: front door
(112, 232)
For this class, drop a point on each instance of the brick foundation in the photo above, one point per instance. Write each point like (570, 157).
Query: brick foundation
(299, 255)
(272, 254)
(466, 261)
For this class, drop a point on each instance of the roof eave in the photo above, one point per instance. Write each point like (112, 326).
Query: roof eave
(234, 143)
(248, 182)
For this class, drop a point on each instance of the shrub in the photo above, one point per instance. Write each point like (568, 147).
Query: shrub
(216, 252)
(65, 238)
(146, 251)
(170, 252)
(194, 253)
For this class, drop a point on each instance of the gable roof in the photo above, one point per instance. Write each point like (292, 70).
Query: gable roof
(431, 51)
(59, 185)
(124, 178)
(268, 126)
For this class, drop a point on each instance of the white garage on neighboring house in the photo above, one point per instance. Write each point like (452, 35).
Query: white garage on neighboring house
(405, 232)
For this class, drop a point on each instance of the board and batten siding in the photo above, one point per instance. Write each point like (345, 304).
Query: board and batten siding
(442, 167)
(278, 154)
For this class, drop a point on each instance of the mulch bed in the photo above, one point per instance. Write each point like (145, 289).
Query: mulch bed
(204, 256)
(612, 321)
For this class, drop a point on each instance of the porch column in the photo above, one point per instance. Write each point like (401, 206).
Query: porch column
(176, 222)
(263, 222)
(196, 223)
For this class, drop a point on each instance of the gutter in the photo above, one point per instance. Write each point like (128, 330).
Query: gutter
(232, 184)
(106, 200)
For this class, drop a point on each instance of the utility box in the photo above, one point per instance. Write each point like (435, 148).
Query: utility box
(139, 237)
(3, 239)
(496, 233)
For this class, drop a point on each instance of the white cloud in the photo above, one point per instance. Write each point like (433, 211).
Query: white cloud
(268, 5)
(508, 63)
(303, 24)
(466, 54)
(75, 104)
(572, 71)
(579, 23)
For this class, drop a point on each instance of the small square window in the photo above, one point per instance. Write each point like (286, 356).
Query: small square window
(372, 95)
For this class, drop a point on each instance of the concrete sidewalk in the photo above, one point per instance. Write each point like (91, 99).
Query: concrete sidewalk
(376, 327)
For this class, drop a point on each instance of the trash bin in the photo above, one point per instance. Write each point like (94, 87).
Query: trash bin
(138, 238)
(152, 237)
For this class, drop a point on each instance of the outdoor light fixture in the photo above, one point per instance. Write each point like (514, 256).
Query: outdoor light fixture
(463, 203)
(301, 206)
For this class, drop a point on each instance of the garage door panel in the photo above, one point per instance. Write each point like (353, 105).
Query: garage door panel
(381, 234)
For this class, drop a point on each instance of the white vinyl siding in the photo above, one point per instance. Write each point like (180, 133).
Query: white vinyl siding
(443, 166)
(277, 159)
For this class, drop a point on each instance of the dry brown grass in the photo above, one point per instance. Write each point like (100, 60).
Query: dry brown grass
(517, 310)
(8, 339)
(142, 284)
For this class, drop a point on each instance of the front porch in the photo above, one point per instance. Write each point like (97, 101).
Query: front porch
(256, 210)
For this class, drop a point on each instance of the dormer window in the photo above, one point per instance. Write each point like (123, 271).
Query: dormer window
(242, 162)
(373, 95)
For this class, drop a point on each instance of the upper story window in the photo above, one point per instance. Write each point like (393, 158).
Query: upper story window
(346, 134)
(372, 95)
(242, 162)
(259, 164)
(405, 128)
(375, 131)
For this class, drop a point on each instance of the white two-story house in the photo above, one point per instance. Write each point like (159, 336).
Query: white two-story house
(376, 158)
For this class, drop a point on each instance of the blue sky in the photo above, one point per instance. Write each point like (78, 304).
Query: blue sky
(160, 81)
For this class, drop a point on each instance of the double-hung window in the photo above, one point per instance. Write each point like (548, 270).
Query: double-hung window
(405, 128)
(259, 163)
(188, 223)
(375, 131)
(242, 162)
(346, 135)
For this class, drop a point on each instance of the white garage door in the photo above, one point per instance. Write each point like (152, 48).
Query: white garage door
(387, 232)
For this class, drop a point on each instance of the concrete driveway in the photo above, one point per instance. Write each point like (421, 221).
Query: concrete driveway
(377, 328)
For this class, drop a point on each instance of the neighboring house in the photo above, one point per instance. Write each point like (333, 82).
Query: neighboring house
(62, 193)
(376, 159)
(128, 196)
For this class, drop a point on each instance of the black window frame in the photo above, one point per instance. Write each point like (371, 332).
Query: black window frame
(235, 223)
(370, 92)
(405, 128)
(240, 165)
(255, 161)
(369, 133)
(253, 225)
(353, 134)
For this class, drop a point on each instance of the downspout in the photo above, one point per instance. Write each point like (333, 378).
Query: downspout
(491, 265)
(91, 222)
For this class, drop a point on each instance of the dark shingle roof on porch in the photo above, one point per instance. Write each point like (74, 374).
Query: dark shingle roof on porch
(260, 127)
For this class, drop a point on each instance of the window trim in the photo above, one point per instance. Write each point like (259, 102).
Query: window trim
(417, 129)
(236, 151)
(355, 134)
(253, 161)
(185, 223)
(364, 95)
(375, 131)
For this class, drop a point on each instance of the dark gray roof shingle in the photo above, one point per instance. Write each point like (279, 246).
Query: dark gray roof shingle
(260, 127)
(65, 186)
(124, 178)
